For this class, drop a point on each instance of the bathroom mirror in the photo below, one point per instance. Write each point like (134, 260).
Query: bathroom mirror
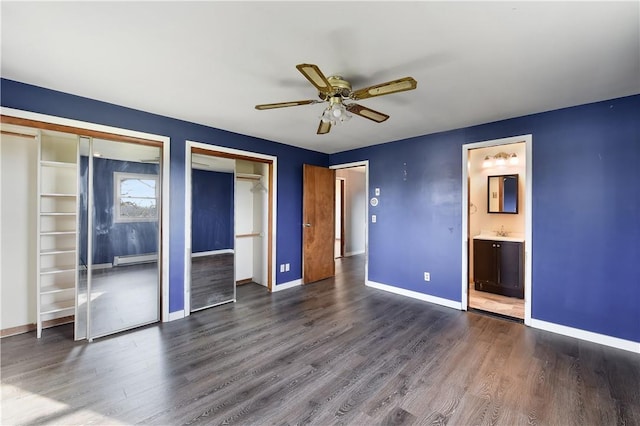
(502, 194)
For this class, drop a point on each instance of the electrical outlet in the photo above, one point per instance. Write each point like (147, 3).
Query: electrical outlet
(427, 276)
(287, 267)
(282, 267)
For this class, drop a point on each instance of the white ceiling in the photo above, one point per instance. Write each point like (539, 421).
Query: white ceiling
(212, 62)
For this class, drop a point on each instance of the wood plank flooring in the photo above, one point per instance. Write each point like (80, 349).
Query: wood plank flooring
(332, 352)
(497, 303)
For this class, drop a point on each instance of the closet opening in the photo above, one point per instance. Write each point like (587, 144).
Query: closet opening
(230, 217)
(94, 203)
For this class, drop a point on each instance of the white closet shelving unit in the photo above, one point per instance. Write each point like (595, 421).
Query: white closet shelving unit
(57, 227)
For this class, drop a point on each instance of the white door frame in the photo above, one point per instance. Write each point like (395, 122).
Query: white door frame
(528, 249)
(187, 210)
(364, 163)
(166, 203)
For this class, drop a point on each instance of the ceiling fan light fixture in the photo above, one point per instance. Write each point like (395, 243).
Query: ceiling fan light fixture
(335, 114)
(335, 89)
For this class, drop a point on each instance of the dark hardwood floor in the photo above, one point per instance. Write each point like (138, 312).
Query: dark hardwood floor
(332, 352)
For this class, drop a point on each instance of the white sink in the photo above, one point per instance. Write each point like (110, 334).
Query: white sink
(498, 238)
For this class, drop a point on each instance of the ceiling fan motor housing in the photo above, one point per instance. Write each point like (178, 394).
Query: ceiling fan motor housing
(340, 87)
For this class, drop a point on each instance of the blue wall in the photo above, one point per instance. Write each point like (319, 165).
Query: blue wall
(586, 202)
(586, 213)
(290, 160)
(211, 211)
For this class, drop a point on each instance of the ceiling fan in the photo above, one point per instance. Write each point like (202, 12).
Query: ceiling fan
(335, 90)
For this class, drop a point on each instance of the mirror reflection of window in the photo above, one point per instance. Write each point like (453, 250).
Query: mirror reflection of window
(136, 197)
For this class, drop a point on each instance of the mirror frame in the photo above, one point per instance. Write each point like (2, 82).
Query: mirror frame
(501, 196)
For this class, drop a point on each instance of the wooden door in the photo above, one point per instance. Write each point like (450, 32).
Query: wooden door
(318, 216)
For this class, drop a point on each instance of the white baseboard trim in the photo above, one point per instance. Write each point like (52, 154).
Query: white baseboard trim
(101, 266)
(287, 285)
(589, 336)
(135, 259)
(211, 253)
(353, 253)
(415, 295)
(176, 315)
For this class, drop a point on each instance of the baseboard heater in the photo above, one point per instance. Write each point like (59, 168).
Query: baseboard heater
(133, 259)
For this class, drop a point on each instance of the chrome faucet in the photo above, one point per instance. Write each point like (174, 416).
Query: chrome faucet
(501, 232)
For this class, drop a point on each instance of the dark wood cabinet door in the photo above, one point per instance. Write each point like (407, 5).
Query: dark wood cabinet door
(509, 261)
(484, 263)
(497, 267)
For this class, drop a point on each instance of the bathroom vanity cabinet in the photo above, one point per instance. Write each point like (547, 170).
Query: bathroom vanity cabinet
(498, 267)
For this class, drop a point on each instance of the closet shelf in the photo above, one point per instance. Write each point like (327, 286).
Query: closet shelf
(253, 234)
(250, 176)
(57, 251)
(64, 305)
(52, 194)
(60, 164)
(57, 225)
(55, 290)
(47, 233)
(57, 270)
(57, 214)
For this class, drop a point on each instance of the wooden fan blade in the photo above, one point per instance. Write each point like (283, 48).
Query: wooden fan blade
(323, 127)
(395, 86)
(285, 104)
(315, 77)
(372, 115)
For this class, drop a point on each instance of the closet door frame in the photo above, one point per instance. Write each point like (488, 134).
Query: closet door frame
(83, 128)
(220, 151)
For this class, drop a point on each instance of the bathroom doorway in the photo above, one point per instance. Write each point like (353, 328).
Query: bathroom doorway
(497, 229)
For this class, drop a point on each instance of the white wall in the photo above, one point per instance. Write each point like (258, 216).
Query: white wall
(338, 208)
(355, 209)
(251, 216)
(261, 224)
(244, 225)
(18, 180)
